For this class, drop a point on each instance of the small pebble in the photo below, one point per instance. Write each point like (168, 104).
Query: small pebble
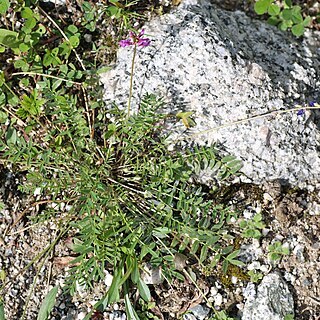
(234, 279)
(218, 300)
(80, 316)
(264, 268)
(108, 279)
(213, 291)
(189, 316)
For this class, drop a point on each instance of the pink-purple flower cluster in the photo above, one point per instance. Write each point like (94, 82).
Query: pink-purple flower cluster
(135, 39)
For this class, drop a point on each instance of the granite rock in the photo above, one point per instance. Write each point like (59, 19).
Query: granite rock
(271, 301)
(225, 66)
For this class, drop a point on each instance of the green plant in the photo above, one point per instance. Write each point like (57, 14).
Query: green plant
(251, 228)
(221, 315)
(2, 317)
(186, 118)
(289, 317)
(122, 13)
(4, 6)
(255, 276)
(47, 304)
(145, 312)
(277, 250)
(131, 200)
(284, 15)
(90, 16)
(127, 184)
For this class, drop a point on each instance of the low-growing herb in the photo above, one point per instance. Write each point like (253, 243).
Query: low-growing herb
(277, 250)
(251, 228)
(283, 14)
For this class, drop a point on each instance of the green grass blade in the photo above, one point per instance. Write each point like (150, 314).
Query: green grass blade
(1, 311)
(47, 304)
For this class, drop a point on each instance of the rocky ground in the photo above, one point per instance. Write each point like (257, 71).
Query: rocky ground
(291, 217)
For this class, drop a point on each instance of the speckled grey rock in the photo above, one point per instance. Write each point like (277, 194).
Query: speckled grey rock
(271, 301)
(225, 66)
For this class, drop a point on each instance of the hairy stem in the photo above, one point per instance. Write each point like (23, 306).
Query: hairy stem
(259, 116)
(131, 79)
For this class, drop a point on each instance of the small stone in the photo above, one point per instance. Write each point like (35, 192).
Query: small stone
(289, 277)
(68, 207)
(306, 283)
(218, 300)
(248, 214)
(37, 191)
(233, 220)
(88, 37)
(264, 268)
(256, 243)
(213, 291)
(234, 279)
(116, 307)
(8, 253)
(117, 315)
(151, 275)
(108, 279)
(298, 251)
(254, 265)
(180, 261)
(81, 316)
(189, 316)
(200, 311)
(13, 292)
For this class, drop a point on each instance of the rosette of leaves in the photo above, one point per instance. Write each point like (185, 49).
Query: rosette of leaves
(131, 200)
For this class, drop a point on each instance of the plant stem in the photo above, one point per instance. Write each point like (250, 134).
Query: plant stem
(259, 116)
(44, 75)
(131, 79)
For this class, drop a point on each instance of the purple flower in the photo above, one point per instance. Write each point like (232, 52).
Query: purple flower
(144, 42)
(125, 43)
(312, 104)
(301, 112)
(135, 39)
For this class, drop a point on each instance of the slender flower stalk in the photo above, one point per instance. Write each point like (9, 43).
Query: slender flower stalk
(134, 40)
(131, 79)
(301, 112)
